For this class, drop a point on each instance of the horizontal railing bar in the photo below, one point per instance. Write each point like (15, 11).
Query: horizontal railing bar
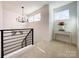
(29, 44)
(14, 35)
(29, 41)
(12, 44)
(15, 29)
(29, 37)
(14, 38)
(12, 47)
(12, 41)
(17, 37)
(12, 51)
(5, 32)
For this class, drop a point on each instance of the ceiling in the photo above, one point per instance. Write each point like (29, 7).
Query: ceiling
(29, 6)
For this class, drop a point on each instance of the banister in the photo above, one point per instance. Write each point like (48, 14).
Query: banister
(15, 29)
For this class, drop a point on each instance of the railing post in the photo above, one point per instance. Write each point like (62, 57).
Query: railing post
(32, 37)
(21, 45)
(25, 42)
(2, 48)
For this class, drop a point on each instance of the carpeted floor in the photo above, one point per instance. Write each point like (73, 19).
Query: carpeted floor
(46, 49)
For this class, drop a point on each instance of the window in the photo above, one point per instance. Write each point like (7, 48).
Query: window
(35, 18)
(62, 15)
(31, 19)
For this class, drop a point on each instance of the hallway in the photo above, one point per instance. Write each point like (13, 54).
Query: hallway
(45, 49)
(46, 20)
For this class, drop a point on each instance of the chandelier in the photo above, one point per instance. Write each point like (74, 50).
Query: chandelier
(22, 18)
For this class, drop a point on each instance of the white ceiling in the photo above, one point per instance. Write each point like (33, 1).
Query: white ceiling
(29, 6)
(57, 4)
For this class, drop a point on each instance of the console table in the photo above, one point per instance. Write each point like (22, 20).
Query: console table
(63, 36)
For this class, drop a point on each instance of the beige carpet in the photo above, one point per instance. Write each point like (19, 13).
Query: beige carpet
(45, 49)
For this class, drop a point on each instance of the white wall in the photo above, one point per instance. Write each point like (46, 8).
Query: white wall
(1, 15)
(71, 22)
(9, 18)
(52, 6)
(13, 9)
(78, 25)
(41, 28)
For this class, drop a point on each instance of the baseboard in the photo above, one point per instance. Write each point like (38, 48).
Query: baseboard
(65, 42)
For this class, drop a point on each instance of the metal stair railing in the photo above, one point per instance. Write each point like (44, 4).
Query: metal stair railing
(14, 39)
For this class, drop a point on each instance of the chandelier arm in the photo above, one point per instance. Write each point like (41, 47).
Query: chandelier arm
(22, 18)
